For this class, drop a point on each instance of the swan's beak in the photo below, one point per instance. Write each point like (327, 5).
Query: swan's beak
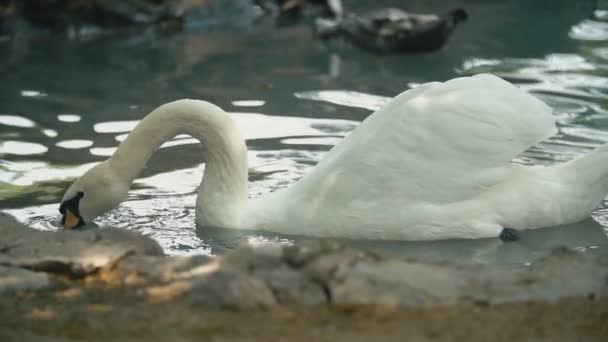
(70, 214)
(71, 220)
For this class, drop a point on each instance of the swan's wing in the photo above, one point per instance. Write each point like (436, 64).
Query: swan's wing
(437, 143)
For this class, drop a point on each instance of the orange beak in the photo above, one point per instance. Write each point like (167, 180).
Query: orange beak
(71, 220)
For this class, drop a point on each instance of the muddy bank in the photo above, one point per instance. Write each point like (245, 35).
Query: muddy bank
(108, 284)
(114, 315)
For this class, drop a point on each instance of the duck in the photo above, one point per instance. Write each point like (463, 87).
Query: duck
(434, 163)
(392, 30)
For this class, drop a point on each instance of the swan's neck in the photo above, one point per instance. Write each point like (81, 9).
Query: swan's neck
(223, 191)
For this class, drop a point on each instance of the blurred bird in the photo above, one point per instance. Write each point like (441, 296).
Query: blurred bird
(393, 30)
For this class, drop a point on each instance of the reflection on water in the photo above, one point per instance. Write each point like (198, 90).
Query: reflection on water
(248, 103)
(68, 117)
(16, 121)
(66, 104)
(21, 148)
(74, 144)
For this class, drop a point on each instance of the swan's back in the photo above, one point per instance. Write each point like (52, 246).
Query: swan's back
(438, 143)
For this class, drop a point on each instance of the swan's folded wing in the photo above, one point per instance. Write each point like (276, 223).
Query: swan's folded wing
(439, 142)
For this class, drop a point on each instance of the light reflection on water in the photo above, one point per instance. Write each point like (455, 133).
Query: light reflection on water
(16, 121)
(74, 144)
(68, 117)
(21, 148)
(301, 100)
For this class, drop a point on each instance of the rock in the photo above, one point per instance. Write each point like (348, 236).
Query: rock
(233, 281)
(333, 266)
(257, 277)
(249, 259)
(292, 287)
(72, 253)
(320, 272)
(14, 279)
(412, 283)
(145, 269)
(562, 273)
(396, 282)
(231, 290)
(302, 253)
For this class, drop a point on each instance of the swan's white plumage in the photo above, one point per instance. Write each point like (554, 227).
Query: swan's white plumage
(433, 163)
(439, 142)
(403, 171)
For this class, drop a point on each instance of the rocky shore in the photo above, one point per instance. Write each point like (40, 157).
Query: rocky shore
(110, 283)
(89, 17)
(83, 18)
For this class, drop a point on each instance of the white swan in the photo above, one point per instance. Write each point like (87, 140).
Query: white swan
(434, 163)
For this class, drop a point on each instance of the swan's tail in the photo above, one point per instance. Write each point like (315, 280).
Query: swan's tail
(592, 166)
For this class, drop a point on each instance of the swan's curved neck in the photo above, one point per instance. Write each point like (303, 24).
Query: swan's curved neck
(223, 190)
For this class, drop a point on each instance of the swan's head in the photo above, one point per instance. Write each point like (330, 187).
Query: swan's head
(96, 192)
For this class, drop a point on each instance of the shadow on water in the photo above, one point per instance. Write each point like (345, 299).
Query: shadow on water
(66, 104)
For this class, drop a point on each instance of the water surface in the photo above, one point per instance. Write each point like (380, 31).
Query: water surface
(66, 104)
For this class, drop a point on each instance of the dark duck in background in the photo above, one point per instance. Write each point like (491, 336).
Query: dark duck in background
(391, 30)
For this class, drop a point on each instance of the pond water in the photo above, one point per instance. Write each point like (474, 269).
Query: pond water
(65, 104)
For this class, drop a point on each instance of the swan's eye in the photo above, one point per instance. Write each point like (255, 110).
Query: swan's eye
(70, 212)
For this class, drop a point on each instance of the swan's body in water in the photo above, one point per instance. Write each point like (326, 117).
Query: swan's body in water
(434, 163)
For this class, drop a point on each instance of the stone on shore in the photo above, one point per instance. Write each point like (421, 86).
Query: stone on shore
(75, 254)
(308, 274)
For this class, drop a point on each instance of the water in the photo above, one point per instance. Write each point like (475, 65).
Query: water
(65, 104)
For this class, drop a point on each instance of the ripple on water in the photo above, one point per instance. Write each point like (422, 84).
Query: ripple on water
(16, 121)
(24, 173)
(51, 133)
(326, 141)
(252, 125)
(42, 217)
(102, 151)
(172, 227)
(115, 126)
(74, 144)
(32, 93)
(591, 30)
(21, 148)
(345, 98)
(248, 103)
(68, 118)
